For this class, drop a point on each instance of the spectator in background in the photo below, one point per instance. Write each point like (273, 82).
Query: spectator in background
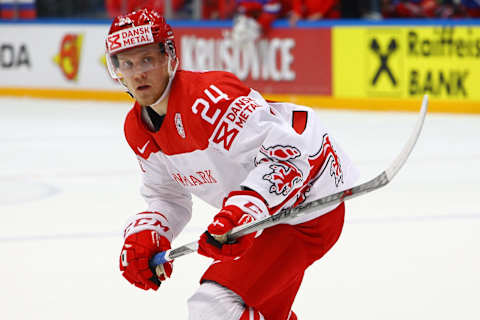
(365, 9)
(314, 10)
(452, 9)
(218, 9)
(263, 11)
(118, 7)
(430, 9)
(13, 9)
(409, 8)
(471, 8)
(254, 18)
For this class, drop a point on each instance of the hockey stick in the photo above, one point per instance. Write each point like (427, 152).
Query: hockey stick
(287, 214)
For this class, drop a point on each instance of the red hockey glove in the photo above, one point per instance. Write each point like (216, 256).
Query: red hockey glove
(142, 242)
(239, 208)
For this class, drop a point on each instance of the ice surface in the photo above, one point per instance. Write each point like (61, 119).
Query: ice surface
(68, 181)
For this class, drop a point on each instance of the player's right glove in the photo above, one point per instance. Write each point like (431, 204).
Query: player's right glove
(240, 207)
(142, 242)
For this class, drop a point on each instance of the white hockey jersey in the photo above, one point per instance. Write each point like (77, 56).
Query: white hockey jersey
(219, 136)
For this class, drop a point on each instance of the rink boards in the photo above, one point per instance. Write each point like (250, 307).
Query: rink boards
(377, 66)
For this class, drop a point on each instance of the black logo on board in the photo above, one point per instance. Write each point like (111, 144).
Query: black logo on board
(384, 55)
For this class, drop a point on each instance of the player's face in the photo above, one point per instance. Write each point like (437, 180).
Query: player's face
(144, 71)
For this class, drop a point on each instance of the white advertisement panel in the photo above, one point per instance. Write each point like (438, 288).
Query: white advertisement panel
(54, 56)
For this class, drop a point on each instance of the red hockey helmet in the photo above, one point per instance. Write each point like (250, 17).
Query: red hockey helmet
(135, 29)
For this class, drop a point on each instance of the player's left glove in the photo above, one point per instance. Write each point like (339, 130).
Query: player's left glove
(239, 208)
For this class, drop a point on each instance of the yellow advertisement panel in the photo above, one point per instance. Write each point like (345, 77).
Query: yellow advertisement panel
(407, 62)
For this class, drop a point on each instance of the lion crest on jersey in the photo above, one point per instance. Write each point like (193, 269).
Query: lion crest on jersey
(327, 156)
(284, 176)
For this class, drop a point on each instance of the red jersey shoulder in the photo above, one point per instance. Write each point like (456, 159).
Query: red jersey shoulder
(137, 135)
(197, 102)
(212, 86)
(204, 96)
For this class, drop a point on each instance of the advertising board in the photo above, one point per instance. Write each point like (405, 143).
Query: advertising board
(71, 56)
(407, 62)
(53, 57)
(287, 62)
(382, 66)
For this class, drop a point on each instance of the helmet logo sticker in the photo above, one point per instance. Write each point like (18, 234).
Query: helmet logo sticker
(131, 37)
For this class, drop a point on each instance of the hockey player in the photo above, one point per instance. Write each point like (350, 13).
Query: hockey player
(207, 134)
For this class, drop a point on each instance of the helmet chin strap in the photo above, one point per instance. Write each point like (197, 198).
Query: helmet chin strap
(171, 75)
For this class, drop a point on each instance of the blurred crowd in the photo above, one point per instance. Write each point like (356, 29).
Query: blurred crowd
(260, 13)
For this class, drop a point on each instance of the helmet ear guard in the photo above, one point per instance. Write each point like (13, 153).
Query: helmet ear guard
(170, 48)
(114, 59)
(112, 66)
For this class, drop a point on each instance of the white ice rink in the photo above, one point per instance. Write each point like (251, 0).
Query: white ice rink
(68, 181)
